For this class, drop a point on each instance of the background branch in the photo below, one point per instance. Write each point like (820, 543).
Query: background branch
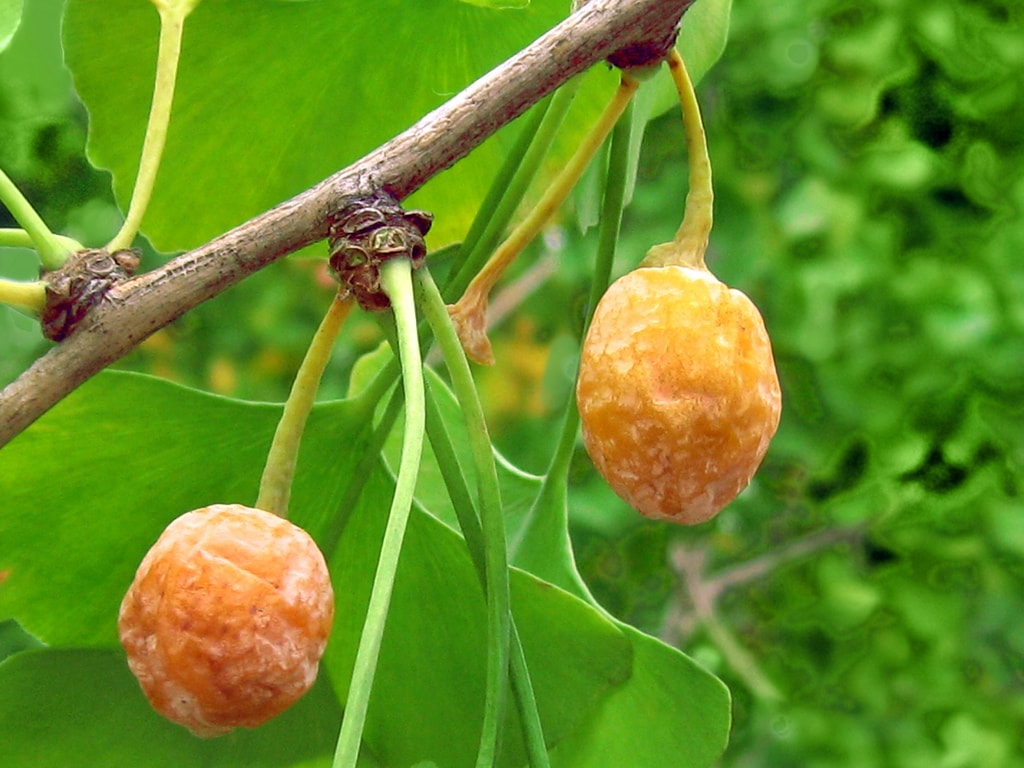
(696, 602)
(143, 305)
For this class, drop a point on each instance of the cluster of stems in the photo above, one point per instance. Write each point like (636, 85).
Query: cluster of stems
(53, 250)
(458, 329)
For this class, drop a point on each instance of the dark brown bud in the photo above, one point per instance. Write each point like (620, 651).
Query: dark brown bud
(364, 234)
(80, 284)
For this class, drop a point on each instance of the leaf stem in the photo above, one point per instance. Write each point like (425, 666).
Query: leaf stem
(612, 204)
(30, 297)
(276, 483)
(371, 455)
(469, 312)
(690, 243)
(19, 238)
(455, 483)
(458, 492)
(491, 517)
(526, 704)
(616, 183)
(511, 183)
(172, 26)
(395, 279)
(541, 524)
(53, 251)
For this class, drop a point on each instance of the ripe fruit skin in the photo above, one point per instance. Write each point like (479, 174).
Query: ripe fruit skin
(677, 392)
(227, 618)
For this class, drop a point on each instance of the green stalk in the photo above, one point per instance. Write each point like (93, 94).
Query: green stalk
(367, 462)
(553, 494)
(616, 181)
(19, 238)
(367, 401)
(608, 237)
(526, 704)
(690, 243)
(462, 501)
(276, 483)
(395, 279)
(469, 312)
(491, 518)
(456, 484)
(29, 297)
(53, 251)
(509, 187)
(172, 26)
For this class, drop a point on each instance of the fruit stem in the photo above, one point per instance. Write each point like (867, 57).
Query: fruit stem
(172, 25)
(491, 517)
(276, 483)
(690, 243)
(469, 312)
(29, 297)
(53, 251)
(397, 284)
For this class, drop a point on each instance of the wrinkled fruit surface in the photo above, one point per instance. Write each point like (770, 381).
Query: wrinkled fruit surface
(677, 392)
(227, 618)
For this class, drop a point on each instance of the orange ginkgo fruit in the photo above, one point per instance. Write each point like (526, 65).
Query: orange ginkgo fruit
(227, 618)
(677, 392)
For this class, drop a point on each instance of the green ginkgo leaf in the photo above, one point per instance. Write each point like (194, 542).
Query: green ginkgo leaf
(83, 708)
(91, 485)
(428, 691)
(273, 97)
(671, 712)
(10, 18)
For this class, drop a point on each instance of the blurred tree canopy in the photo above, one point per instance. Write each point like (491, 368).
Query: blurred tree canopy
(864, 600)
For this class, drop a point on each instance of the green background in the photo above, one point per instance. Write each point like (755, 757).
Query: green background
(864, 600)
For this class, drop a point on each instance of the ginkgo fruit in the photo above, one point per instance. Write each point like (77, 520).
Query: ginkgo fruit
(227, 618)
(677, 392)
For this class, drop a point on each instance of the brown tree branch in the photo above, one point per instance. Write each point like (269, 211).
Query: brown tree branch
(143, 305)
(696, 602)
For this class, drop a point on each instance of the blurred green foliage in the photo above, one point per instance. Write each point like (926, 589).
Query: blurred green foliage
(869, 162)
(869, 168)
